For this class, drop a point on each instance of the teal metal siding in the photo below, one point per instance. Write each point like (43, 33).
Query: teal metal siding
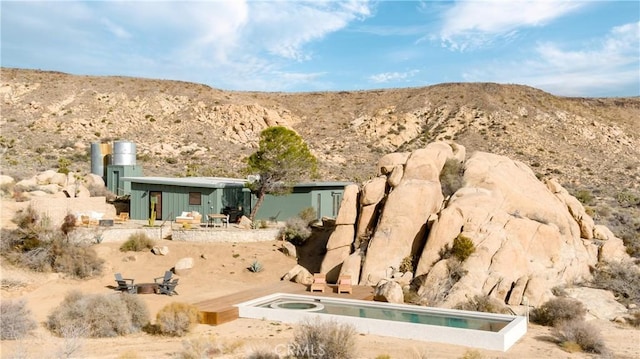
(175, 200)
(115, 173)
(324, 200)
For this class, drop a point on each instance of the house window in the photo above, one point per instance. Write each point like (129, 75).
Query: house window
(195, 198)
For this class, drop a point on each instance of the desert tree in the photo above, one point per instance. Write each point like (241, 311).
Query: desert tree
(282, 159)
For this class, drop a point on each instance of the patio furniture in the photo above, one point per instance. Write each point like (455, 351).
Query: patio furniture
(193, 217)
(168, 288)
(125, 284)
(319, 283)
(344, 284)
(122, 217)
(218, 220)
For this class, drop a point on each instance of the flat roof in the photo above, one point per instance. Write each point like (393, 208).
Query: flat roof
(206, 182)
(218, 182)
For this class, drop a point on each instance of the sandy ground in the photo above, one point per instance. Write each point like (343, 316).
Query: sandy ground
(217, 272)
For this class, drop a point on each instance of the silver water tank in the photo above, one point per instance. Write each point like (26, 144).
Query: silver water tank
(99, 158)
(124, 153)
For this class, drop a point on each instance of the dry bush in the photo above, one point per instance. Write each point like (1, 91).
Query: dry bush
(437, 293)
(581, 333)
(101, 315)
(634, 320)
(471, 354)
(77, 260)
(623, 279)
(483, 303)
(15, 320)
(451, 177)
(68, 224)
(462, 247)
(308, 214)
(558, 310)
(137, 242)
(296, 231)
(177, 319)
(200, 347)
(324, 339)
(262, 353)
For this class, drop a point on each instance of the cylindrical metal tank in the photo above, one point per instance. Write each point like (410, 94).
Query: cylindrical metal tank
(124, 153)
(99, 156)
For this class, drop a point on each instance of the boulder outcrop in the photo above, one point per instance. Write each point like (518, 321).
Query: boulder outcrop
(527, 236)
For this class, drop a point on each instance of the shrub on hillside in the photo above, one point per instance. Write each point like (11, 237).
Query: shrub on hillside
(137, 242)
(77, 260)
(558, 310)
(451, 177)
(177, 319)
(623, 279)
(462, 247)
(296, 231)
(483, 303)
(16, 320)
(99, 315)
(581, 333)
(324, 339)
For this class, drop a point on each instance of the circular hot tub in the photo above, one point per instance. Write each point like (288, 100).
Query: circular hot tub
(299, 305)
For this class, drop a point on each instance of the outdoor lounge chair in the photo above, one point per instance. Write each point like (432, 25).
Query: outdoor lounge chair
(165, 279)
(168, 288)
(319, 282)
(125, 284)
(344, 284)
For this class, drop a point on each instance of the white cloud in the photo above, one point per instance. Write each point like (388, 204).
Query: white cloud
(392, 76)
(116, 30)
(472, 24)
(611, 65)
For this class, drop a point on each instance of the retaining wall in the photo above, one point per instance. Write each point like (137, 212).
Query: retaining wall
(219, 235)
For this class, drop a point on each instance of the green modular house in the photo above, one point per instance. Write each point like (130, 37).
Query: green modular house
(209, 195)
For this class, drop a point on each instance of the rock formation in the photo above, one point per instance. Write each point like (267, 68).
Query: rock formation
(528, 235)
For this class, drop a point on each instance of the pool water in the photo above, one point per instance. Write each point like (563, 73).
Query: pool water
(398, 315)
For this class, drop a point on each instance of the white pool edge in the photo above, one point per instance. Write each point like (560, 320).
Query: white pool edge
(501, 340)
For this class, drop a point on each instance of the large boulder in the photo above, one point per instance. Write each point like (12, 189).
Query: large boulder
(299, 274)
(388, 291)
(183, 266)
(349, 206)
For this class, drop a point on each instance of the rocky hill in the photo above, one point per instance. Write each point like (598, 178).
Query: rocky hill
(592, 146)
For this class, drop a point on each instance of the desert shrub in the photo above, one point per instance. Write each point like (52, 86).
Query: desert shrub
(451, 177)
(77, 260)
(483, 303)
(101, 315)
(324, 339)
(584, 196)
(406, 265)
(634, 319)
(622, 278)
(579, 332)
(26, 218)
(137, 242)
(255, 267)
(16, 320)
(177, 319)
(558, 310)
(296, 231)
(308, 214)
(200, 347)
(68, 224)
(471, 354)
(462, 247)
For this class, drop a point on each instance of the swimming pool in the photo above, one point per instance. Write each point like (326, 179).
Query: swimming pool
(473, 329)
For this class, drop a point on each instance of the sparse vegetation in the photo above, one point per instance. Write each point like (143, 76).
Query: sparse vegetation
(622, 278)
(462, 248)
(483, 303)
(319, 339)
(308, 214)
(37, 246)
(16, 320)
(584, 335)
(98, 315)
(451, 177)
(177, 319)
(558, 310)
(296, 231)
(255, 267)
(137, 242)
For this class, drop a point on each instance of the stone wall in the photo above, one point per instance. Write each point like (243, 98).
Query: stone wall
(225, 235)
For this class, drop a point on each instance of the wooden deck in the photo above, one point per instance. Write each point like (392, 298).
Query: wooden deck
(221, 310)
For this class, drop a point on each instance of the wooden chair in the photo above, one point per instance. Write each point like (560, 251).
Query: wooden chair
(344, 284)
(125, 284)
(319, 282)
(164, 279)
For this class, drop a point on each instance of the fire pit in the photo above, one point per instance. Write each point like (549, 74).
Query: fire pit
(147, 288)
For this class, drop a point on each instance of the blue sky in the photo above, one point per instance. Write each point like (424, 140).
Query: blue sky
(569, 48)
